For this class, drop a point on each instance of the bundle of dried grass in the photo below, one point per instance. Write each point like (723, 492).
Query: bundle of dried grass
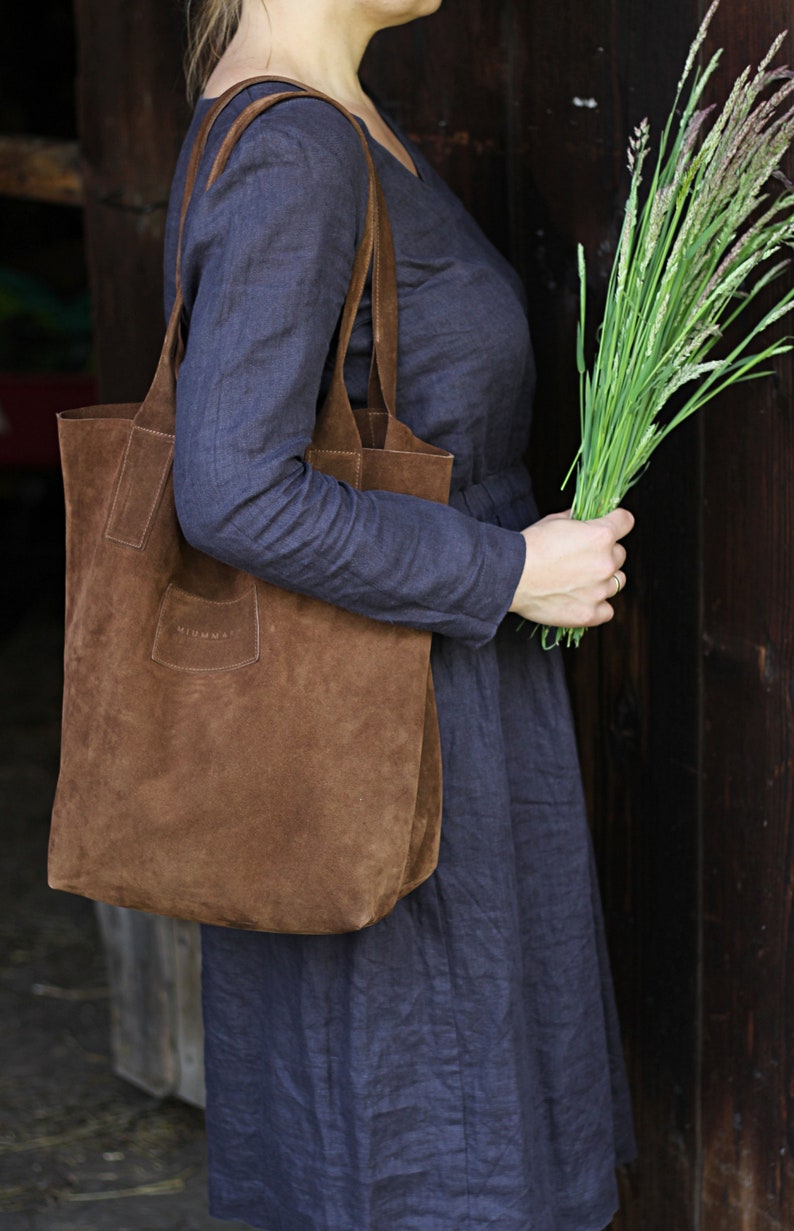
(690, 261)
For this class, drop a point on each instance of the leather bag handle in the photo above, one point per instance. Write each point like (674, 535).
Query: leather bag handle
(375, 247)
(383, 374)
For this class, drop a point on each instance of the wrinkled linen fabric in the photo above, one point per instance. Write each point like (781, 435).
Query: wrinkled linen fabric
(458, 1065)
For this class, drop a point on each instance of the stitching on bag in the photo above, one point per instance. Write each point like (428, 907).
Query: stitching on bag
(377, 253)
(118, 485)
(340, 453)
(139, 542)
(223, 602)
(422, 457)
(156, 501)
(164, 662)
(152, 432)
(160, 619)
(371, 416)
(215, 602)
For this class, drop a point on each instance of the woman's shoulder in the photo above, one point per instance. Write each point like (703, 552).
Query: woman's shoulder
(301, 130)
(299, 164)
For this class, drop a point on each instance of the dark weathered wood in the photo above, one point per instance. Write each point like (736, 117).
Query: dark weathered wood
(139, 952)
(748, 780)
(634, 684)
(154, 967)
(542, 171)
(38, 169)
(445, 79)
(189, 1029)
(132, 115)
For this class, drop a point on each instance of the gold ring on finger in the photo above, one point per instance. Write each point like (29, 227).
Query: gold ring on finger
(618, 584)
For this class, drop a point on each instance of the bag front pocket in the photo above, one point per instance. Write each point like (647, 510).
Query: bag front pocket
(202, 634)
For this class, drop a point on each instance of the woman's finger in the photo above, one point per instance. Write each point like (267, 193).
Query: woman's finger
(615, 585)
(620, 522)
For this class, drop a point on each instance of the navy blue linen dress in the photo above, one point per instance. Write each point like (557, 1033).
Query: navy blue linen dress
(458, 1065)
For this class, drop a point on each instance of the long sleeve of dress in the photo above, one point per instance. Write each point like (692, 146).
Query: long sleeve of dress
(268, 254)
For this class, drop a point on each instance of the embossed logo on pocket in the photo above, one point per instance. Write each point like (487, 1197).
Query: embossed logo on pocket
(202, 634)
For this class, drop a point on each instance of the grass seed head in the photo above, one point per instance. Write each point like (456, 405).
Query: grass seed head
(690, 260)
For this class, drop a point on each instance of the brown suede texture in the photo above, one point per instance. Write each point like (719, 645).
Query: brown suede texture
(233, 752)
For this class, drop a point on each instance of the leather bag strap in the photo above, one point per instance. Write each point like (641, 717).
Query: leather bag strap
(375, 248)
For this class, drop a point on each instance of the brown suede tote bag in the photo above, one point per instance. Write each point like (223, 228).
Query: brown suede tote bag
(233, 752)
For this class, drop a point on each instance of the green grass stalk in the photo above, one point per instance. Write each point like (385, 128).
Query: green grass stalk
(693, 254)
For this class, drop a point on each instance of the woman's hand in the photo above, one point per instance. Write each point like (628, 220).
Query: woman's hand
(571, 569)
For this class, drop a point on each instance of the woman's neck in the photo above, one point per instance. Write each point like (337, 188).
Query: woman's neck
(310, 41)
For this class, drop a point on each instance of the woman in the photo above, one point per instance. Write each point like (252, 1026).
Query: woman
(456, 1066)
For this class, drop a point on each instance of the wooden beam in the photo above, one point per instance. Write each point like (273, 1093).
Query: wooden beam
(40, 169)
(131, 122)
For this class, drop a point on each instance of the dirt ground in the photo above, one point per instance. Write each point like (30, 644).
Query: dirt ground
(80, 1150)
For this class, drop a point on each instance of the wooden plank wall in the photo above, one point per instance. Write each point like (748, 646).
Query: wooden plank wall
(132, 114)
(684, 705)
(541, 173)
(748, 764)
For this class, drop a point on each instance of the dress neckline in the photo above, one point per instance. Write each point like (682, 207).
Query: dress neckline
(416, 174)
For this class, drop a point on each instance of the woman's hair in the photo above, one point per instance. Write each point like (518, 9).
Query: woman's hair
(210, 28)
